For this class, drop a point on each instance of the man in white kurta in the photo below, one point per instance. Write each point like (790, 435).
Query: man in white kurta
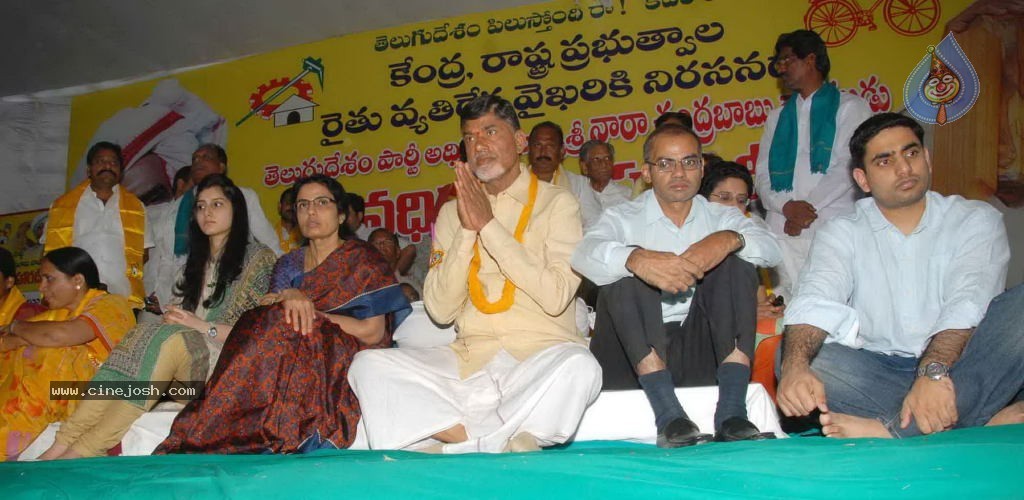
(597, 162)
(546, 150)
(98, 227)
(812, 193)
(517, 377)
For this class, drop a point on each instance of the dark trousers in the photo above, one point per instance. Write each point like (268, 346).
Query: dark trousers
(722, 317)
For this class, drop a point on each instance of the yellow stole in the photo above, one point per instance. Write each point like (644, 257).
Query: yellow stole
(61, 226)
(289, 239)
(10, 306)
(508, 290)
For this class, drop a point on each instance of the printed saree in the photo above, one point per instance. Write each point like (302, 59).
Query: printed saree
(277, 391)
(26, 372)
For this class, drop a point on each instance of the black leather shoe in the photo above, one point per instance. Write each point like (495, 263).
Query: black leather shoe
(740, 429)
(681, 432)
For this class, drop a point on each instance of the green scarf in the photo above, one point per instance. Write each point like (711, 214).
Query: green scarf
(782, 157)
(185, 208)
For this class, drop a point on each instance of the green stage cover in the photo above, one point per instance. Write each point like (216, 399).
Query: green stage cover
(982, 463)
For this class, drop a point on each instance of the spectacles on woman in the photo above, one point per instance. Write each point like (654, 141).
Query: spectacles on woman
(316, 203)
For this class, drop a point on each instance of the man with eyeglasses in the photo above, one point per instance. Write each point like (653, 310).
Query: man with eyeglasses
(677, 305)
(546, 150)
(106, 221)
(803, 173)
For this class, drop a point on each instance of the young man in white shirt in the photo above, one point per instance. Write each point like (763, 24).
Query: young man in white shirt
(888, 335)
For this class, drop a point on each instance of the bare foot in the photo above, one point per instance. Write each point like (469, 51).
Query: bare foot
(71, 453)
(1013, 414)
(54, 452)
(454, 434)
(523, 442)
(839, 425)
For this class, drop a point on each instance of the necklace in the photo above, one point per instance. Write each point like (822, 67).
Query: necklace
(476, 289)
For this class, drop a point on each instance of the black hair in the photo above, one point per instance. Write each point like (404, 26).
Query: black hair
(157, 194)
(684, 118)
(490, 103)
(391, 235)
(593, 143)
(804, 43)
(355, 202)
(101, 146)
(872, 126)
(74, 260)
(719, 170)
(551, 125)
(222, 156)
(288, 196)
(193, 279)
(342, 199)
(669, 129)
(7, 266)
(181, 175)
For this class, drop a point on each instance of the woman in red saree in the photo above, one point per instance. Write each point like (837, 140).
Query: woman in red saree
(281, 385)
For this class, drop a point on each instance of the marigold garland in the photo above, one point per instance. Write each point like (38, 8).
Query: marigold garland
(476, 288)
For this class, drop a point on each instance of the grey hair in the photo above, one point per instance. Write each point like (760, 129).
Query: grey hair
(591, 144)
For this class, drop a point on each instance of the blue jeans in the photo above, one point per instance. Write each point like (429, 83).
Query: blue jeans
(988, 376)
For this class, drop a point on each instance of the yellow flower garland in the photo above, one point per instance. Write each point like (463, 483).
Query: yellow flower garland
(476, 289)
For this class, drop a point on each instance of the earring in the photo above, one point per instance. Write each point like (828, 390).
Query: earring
(78, 287)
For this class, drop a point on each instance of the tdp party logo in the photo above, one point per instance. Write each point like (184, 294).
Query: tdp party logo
(943, 86)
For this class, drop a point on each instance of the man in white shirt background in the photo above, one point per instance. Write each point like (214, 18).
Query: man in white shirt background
(597, 161)
(888, 335)
(546, 151)
(106, 221)
(803, 175)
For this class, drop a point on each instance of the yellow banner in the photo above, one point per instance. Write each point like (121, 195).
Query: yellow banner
(378, 110)
(19, 234)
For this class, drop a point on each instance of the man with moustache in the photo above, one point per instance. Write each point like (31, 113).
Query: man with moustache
(677, 305)
(517, 377)
(803, 174)
(107, 222)
(888, 335)
(546, 150)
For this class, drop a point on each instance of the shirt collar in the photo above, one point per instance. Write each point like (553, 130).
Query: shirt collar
(520, 188)
(653, 212)
(89, 190)
(879, 222)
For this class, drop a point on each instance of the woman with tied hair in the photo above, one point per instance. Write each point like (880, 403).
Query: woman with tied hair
(66, 343)
(281, 384)
(224, 275)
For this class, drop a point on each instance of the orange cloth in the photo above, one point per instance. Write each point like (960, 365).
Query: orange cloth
(26, 372)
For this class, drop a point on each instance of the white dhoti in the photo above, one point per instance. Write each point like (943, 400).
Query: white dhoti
(408, 395)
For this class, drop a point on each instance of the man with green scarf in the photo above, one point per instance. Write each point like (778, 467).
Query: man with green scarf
(803, 173)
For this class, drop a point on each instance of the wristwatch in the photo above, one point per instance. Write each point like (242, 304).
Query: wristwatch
(212, 332)
(934, 370)
(742, 240)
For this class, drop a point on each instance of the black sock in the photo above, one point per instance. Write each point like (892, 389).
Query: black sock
(661, 393)
(732, 392)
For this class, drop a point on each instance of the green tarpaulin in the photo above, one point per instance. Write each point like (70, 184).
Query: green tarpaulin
(982, 463)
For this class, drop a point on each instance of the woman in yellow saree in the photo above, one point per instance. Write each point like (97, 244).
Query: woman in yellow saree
(68, 342)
